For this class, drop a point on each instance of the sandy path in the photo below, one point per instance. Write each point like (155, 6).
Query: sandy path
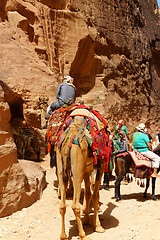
(132, 218)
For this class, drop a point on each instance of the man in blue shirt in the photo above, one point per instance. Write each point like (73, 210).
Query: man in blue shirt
(142, 144)
(65, 95)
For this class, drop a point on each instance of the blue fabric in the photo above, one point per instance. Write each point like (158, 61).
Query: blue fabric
(57, 104)
(140, 142)
(123, 146)
(65, 92)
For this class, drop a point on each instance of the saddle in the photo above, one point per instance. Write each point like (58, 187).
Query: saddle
(142, 164)
(73, 123)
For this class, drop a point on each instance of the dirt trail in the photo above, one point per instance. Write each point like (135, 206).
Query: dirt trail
(131, 218)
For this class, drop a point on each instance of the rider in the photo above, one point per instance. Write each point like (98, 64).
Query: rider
(124, 143)
(142, 144)
(149, 135)
(120, 127)
(65, 95)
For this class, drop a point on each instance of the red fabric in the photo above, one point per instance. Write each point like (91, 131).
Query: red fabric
(109, 155)
(100, 142)
(98, 115)
(122, 154)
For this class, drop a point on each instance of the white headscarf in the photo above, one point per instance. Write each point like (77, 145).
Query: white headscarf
(69, 81)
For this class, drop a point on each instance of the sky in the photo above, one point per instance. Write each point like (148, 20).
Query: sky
(158, 1)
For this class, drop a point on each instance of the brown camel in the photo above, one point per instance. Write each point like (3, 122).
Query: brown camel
(76, 160)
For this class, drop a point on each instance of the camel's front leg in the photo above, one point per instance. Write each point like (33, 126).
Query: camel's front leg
(96, 221)
(62, 208)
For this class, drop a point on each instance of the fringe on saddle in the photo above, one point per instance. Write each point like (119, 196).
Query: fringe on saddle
(142, 168)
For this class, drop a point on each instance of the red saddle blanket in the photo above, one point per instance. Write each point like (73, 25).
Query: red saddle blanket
(140, 160)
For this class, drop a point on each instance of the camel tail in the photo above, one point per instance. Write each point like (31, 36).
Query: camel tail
(66, 166)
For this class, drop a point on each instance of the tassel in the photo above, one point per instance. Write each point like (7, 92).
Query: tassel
(141, 185)
(138, 181)
(131, 179)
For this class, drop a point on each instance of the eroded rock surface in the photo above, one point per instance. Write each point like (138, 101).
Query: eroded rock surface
(111, 48)
(21, 184)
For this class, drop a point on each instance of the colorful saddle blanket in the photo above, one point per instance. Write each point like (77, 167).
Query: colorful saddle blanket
(75, 128)
(55, 123)
(74, 123)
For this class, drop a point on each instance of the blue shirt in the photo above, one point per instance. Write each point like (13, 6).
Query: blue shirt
(65, 92)
(140, 142)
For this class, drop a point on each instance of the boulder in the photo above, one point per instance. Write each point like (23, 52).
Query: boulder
(21, 185)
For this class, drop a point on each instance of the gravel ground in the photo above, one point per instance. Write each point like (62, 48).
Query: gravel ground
(131, 218)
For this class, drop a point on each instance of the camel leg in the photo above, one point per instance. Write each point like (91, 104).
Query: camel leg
(87, 198)
(96, 221)
(78, 167)
(84, 206)
(62, 208)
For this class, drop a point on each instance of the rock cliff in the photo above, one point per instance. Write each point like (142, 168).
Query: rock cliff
(111, 48)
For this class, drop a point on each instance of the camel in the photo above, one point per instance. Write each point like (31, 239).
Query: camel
(77, 163)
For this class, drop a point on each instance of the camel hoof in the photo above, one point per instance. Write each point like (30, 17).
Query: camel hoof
(63, 236)
(99, 229)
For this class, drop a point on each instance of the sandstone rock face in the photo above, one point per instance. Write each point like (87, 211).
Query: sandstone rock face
(28, 78)
(113, 45)
(21, 184)
(7, 145)
(2, 10)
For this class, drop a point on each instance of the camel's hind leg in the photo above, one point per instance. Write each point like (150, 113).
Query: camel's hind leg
(89, 183)
(62, 208)
(87, 199)
(96, 221)
(78, 168)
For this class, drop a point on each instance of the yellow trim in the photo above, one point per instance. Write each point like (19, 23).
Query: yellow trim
(134, 139)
